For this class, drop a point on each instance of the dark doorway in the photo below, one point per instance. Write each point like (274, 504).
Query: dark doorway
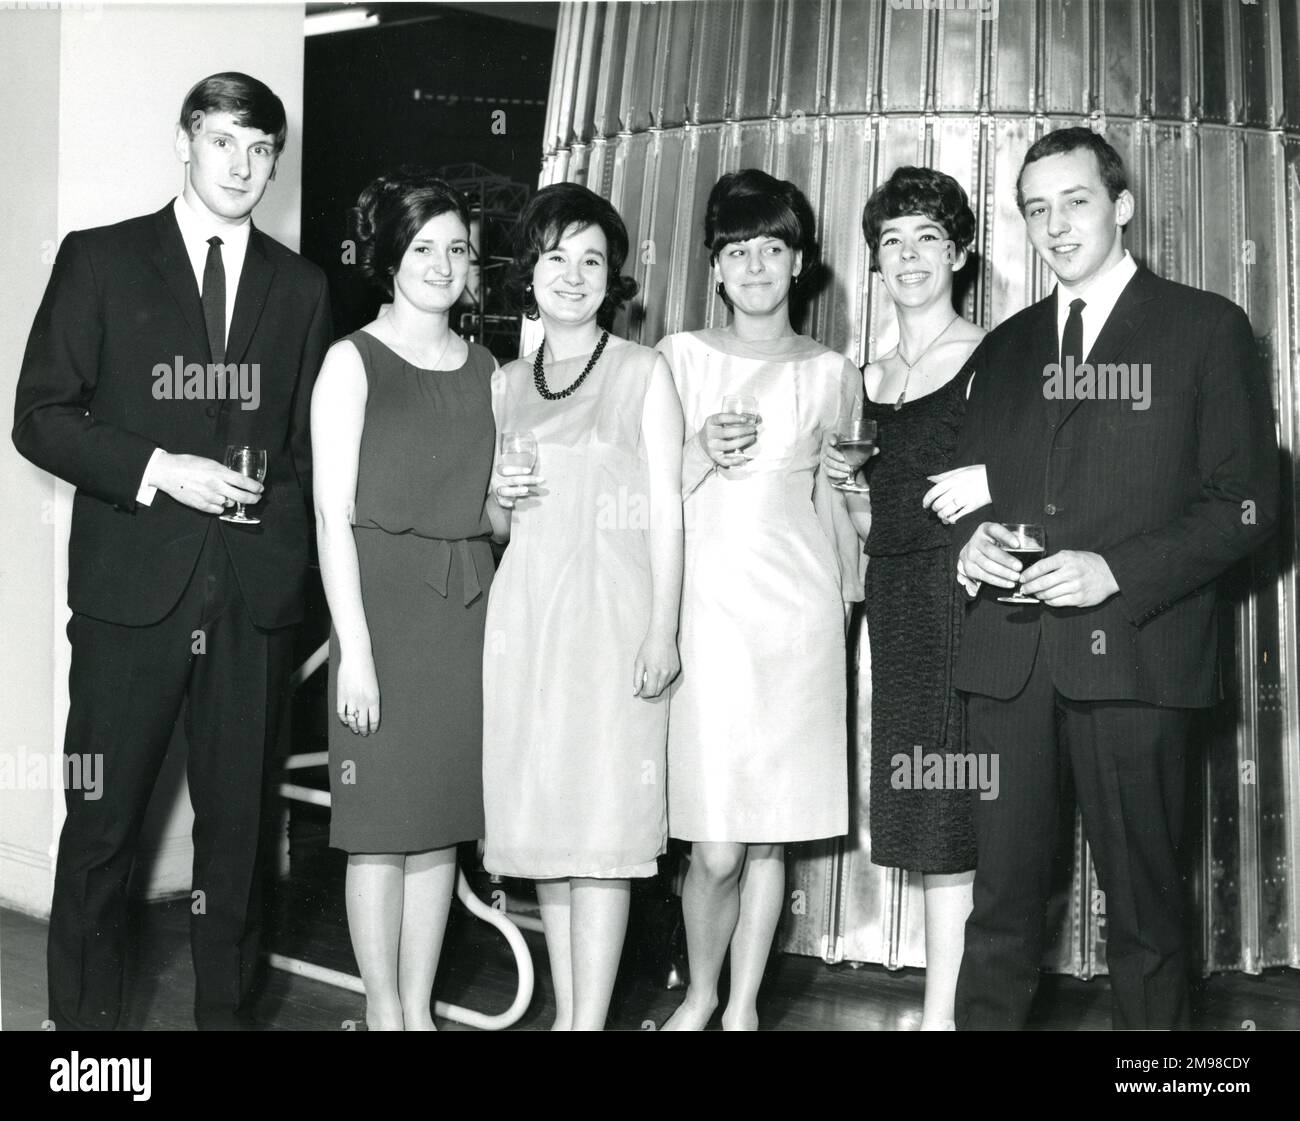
(459, 87)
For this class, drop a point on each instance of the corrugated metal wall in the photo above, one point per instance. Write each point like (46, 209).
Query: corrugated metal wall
(650, 102)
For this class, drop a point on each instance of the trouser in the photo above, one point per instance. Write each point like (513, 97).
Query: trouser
(1127, 762)
(128, 686)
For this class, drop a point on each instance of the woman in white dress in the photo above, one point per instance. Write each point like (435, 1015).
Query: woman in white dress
(757, 753)
(582, 618)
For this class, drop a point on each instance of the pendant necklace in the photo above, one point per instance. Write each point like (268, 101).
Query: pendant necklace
(929, 346)
(539, 378)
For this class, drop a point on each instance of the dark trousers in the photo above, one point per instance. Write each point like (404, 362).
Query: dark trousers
(1127, 762)
(127, 687)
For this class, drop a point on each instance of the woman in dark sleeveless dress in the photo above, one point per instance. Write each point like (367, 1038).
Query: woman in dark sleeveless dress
(403, 437)
(918, 226)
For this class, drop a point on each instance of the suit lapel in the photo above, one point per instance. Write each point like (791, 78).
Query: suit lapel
(173, 263)
(250, 300)
(1042, 351)
(1125, 318)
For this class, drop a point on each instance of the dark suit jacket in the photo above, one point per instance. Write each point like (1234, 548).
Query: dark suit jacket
(1170, 496)
(121, 300)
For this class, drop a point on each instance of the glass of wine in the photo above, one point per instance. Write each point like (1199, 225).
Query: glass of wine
(251, 463)
(1031, 544)
(856, 440)
(518, 449)
(745, 406)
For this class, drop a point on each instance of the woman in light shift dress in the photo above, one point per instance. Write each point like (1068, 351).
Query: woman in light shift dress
(757, 753)
(582, 621)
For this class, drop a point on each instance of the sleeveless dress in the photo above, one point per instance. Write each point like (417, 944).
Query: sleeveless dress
(573, 763)
(758, 737)
(914, 610)
(422, 538)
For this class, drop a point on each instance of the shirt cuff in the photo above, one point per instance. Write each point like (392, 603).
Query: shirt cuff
(144, 496)
(972, 586)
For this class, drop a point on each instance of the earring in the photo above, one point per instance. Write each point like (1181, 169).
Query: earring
(530, 303)
(722, 292)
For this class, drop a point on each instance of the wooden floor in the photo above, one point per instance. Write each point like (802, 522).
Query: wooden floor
(800, 994)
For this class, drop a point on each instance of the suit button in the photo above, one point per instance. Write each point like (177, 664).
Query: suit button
(211, 410)
(1049, 509)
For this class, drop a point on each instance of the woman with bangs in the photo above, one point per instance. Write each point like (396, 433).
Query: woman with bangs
(582, 621)
(919, 228)
(757, 738)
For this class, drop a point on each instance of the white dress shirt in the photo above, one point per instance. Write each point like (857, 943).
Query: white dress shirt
(196, 227)
(1100, 296)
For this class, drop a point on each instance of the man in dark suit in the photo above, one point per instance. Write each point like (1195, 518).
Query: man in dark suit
(1131, 418)
(160, 341)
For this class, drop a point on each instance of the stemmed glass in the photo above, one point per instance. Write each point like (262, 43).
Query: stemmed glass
(251, 463)
(1031, 544)
(856, 440)
(743, 405)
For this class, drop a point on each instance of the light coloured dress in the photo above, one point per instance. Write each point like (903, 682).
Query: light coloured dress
(757, 748)
(573, 763)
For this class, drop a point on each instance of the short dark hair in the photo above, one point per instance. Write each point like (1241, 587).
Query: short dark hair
(392, 210)
(923, 191)
(549, 215)
(251, 102)
(751, 203)
(1065, 140)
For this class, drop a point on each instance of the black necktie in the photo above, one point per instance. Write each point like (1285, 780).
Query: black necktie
(214, 300)
(1072, 337)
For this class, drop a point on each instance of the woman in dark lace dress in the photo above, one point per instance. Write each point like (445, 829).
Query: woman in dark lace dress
(918, 226)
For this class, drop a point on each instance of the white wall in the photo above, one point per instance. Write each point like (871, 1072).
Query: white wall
(88, 101)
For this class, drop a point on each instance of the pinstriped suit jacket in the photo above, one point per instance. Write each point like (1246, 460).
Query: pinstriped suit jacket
(1170, 495)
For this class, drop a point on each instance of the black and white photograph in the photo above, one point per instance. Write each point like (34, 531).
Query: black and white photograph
(652, 515)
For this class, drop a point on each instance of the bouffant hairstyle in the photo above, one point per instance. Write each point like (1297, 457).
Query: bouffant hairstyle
(548, 217)
(1063, 141)
(750, 203)
(923, 191)
(391, 211)
(249, 101)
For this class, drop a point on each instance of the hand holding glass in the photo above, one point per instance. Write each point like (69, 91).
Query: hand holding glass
(519, 454)
(745, 407)
(855, 440)
(251, 463)
(1031, 544)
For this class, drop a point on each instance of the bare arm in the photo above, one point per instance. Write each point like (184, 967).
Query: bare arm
(338, 413)
(657, 661)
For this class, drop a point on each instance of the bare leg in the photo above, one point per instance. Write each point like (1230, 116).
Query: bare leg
(373, 891)
(762, 890)
(427, 887)
(710, 907)
(947, 905)
(599, 923)
(553, 897)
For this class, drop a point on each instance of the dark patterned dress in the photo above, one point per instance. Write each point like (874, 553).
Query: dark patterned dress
(914, 609)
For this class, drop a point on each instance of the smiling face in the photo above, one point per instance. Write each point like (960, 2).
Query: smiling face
(570, 280)
(917, 260)
(432, 272)
(1074, 224)
(757, 274)
(227, 166)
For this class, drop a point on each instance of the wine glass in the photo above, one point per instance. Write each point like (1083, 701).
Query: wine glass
(1031, 543)
(743, 405)
(856, 441)
(518, 449)
(251, 463)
